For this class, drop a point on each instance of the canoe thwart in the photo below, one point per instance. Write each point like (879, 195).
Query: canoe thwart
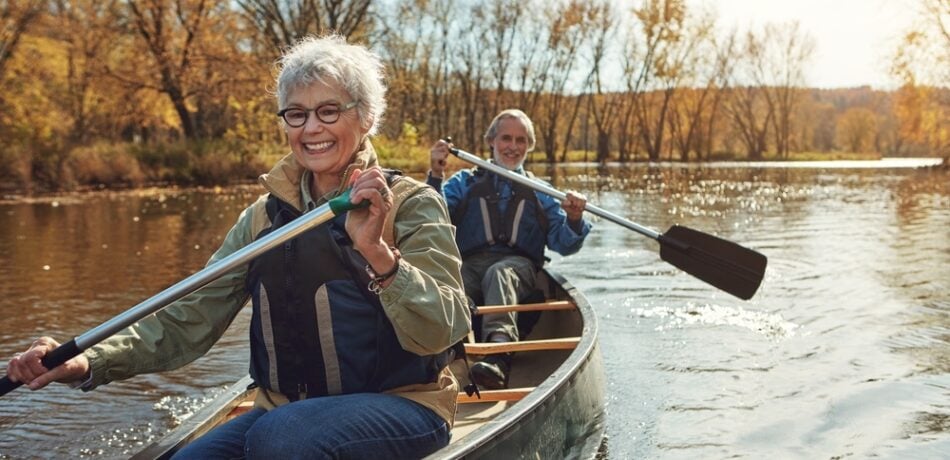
(510, 394)
(550, 305)
(565, 343)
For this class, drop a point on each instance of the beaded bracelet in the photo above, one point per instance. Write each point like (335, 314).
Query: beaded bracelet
(376, 280)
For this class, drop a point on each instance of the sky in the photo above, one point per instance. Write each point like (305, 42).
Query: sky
(853, 38)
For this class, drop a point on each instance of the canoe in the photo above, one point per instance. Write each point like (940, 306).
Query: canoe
(553, 408)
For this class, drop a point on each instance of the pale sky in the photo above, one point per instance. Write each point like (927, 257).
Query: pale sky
(853, 38)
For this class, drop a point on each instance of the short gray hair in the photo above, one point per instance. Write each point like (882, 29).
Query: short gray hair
(357, 69)
(511, 113)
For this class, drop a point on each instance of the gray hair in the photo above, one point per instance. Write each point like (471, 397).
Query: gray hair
(357, 69)
(516, 114)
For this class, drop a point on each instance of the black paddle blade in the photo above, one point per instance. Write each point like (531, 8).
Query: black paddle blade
(723, 264)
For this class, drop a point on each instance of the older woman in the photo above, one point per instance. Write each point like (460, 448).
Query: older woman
(345, 371)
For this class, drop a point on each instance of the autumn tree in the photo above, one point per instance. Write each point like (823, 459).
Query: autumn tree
(922, 63)
(15, 17)
(856, 129)
(280, 23)
(86, 30)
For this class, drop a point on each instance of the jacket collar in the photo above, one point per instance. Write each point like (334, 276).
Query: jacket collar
(284, 178)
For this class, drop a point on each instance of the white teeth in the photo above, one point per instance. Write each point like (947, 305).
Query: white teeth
(318, 146)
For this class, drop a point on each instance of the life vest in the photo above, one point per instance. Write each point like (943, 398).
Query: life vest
(315, 327)
(480, 224)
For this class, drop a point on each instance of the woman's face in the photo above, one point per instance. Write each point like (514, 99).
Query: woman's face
(324, 148)
(510, 145)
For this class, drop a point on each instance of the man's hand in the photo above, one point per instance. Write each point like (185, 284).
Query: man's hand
(573, 206)
(437, 156)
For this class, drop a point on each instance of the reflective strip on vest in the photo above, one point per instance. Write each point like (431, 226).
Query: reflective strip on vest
(331, 361)
(268, 332)
(486, 221)
(517, 223)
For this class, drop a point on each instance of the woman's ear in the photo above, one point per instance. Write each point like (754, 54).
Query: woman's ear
(368, 125)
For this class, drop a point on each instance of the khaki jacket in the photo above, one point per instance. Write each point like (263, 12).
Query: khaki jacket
(425, 302)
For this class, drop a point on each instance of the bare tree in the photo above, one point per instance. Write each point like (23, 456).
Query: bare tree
(568, 30)
(280, 23)
(471, 73)
(788, 50)
(503, 32)
(603, 107)
(696, 86)
(747, 102)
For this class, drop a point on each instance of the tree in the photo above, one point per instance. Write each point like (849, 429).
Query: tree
(86, 30)
(857, 128)
(280, 23)
(922, 63)
(191, 55)
(787, 52)
(15, 18)
(603, 106)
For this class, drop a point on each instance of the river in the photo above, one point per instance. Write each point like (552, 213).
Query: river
(843, 352)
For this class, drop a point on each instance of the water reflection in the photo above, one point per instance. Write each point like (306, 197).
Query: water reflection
(845, 351)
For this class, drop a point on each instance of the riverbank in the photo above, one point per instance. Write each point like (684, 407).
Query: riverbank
(225, 163)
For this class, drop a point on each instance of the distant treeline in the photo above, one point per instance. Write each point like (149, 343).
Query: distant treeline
(130, 92)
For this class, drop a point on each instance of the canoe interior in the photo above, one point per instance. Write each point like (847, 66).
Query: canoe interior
(561, 415)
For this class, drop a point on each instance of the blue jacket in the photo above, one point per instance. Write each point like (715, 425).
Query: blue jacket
(531, 234)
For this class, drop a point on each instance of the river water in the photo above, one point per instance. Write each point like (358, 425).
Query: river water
(843, 352)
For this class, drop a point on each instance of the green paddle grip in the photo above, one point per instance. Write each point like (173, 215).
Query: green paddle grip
(342, 203)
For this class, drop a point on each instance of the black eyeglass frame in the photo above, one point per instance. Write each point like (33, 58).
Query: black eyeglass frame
(316, 111)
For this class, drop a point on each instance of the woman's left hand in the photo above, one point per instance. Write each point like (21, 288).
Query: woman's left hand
(365, 225)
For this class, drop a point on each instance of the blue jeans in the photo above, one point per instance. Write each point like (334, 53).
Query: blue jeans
(358, 426)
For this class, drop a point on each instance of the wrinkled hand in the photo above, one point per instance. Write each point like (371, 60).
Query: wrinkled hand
(27, 368)
(437, 156)
(573, 206)
(365, 225)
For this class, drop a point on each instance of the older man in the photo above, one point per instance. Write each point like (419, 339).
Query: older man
(502, 229)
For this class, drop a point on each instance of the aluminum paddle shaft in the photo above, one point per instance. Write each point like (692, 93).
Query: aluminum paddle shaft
(548, 190)
(721, 263)
(77, 345)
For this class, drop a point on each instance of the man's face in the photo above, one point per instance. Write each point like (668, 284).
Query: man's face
(510, 144)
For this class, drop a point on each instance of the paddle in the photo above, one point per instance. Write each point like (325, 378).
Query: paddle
(721, 263)
(77, 345)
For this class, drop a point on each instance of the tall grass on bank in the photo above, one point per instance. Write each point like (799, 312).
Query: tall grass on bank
(39, 169)
(107, 165)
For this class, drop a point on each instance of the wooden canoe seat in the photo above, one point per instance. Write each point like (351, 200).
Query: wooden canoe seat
(566, 343)
(550, 305)
(510, 394)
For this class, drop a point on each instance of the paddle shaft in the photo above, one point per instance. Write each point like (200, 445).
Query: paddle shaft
(721, 263)
(544, 188)
(80, 343)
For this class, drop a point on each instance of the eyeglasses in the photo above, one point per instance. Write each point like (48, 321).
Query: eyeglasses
(296, 117)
